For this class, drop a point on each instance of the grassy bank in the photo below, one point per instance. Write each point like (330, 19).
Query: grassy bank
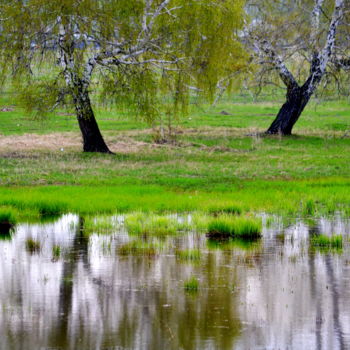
(309, 197)
(218, 162)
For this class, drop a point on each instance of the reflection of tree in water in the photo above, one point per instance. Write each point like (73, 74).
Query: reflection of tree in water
(158, 316)
(207, 317)
(329, 261)
(78, 251)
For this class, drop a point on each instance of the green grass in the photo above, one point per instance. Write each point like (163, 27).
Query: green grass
(236, 227)
(139, 248)
(8, 216)
(102, 224)
(323, 241)
(191, 285)
(188, 255)
(151, 224)
(215, 166)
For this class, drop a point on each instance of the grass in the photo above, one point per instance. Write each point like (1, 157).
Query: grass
(56, 252)
(102, 224)
(191, 285)
(188, 255)
(33, 246)
(151, 224)
(8, 216)
(225, 209)
(139, 248)
(225, 226)
(217, 165)
(327, 242)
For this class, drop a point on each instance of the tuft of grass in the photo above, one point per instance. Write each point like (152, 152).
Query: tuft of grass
(323, 241)
(33, 246)
(56, 252)
(229, 209)
(191, 285)
(188, 255)
(50, 209)
(8, 216)
(139, 248)
(102, 224)
(225, 226)
(151, 224)
(310, 207)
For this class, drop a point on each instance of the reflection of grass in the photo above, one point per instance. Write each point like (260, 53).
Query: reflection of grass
(323, 242)
(32, 246)
(189, 254)
(56, 252)
(238, 227)
(151, 224)
(191, 285)
(232, 244)
(139, 248)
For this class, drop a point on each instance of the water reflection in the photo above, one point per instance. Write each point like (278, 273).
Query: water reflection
(270, 294)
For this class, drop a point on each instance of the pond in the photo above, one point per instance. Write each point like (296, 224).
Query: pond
(70, 290)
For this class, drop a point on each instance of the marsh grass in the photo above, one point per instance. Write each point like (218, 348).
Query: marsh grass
(33, 246)
(323, 242)
(8, 220)
(102, 224)
(225, 226)
(139, 248)
(152, 224)
(188, 255)
(191, 285)
(8, 216)
(225, 209)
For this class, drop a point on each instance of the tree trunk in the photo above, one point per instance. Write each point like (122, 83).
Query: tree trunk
(290, 112)
(92, 137)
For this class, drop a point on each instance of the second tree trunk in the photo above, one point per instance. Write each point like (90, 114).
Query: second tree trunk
(290, 112)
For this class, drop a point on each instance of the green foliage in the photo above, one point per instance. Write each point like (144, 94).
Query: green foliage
(161, 52)
(238, 227)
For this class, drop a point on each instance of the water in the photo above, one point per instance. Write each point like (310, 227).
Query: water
(276, 294)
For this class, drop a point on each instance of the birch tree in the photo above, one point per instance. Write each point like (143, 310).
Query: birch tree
(131, 50)
(303, 36)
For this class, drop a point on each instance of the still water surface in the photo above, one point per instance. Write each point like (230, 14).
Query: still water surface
(276, 294)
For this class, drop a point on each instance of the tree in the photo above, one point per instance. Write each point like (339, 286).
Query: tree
(288, 34)
(132, 51)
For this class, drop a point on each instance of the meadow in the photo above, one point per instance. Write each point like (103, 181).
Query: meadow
(217, 159)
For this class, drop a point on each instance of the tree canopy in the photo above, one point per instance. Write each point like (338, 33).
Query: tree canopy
(132, 52)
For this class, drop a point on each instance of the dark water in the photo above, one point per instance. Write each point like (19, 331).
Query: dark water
(277, 294)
